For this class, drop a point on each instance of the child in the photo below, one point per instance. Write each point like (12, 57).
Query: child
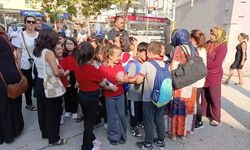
(90, 79)
(117, 124)
(70, 97)
(135, 91)
(151, 114)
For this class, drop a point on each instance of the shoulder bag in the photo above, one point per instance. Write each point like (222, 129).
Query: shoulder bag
(53, 86)
(190, 72)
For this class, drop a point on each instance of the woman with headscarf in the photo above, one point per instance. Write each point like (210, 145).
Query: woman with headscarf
(211, 96)
(11, 118)
(183, 103)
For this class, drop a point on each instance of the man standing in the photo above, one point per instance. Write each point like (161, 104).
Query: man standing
(119, 24)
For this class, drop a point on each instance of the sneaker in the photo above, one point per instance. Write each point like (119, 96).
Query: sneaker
(105, 125)
(159, 144)
(62, 120)
(74, 116)
(144, 145)
(198, 125)
(67, 114)
(97, 142)
(96, 147)
(135, 133)
(141, 125)
(59, 143)
(214, 123)
(113, 142)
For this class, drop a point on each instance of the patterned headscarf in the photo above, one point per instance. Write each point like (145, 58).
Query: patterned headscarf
(220, 35)
(180, 37)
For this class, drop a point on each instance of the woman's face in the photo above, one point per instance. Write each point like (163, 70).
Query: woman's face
(58, 50)
(70, 45)
(212, 36)
(115, 58)
(240, 38)
(30, 23)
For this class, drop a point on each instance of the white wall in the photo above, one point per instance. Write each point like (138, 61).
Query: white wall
(208, 13)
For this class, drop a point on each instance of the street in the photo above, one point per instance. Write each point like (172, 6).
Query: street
(232, 134)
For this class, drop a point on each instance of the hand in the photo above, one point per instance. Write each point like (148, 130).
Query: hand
(77, 85)
(61, 72)
(132, 80)
(114, 88)
(120, 79)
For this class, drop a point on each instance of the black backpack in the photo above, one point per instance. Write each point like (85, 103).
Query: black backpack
(190, 72)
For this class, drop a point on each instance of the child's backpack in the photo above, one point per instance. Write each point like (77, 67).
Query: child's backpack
(138, 68)
(162, 91)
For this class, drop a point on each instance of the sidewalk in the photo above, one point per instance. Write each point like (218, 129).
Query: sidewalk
(232, 134)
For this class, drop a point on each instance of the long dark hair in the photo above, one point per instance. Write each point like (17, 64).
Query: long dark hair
(66, 52)
(85, 53)
(46, 39)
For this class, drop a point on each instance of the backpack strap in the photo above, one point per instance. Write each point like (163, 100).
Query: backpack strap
(157, 66)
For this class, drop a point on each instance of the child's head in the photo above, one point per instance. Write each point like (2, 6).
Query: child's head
(93, 41)
(62, 37)
(142, 51)
(133, 43)
(125, 43)
(116, 41)
(103, 42)
(58, 51)
(70, 44)
(155, 49)
(85, 53)
(113, 54)
(102, 53)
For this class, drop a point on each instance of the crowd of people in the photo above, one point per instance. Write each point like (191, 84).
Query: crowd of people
(117, 74)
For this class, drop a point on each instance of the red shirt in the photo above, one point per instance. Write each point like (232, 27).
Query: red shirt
(70, 63)
(63, 64)
(110, 75)
(88, 77)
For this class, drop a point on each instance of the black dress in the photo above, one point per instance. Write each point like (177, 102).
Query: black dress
(11, 118)
(238, 58)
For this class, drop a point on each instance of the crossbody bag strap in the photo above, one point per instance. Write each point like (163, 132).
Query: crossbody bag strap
(25, 45)
(3, 79)
(186, 53)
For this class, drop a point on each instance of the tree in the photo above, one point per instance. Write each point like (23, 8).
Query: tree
(55, 7)
(94, 7)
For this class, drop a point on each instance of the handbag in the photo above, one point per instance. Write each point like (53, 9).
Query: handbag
(190, 72)
(16, 89)
(53, 86)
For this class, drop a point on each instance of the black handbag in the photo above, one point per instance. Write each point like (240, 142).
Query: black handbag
(190, 72)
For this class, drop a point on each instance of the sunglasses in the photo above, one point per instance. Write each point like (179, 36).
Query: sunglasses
(29, 22)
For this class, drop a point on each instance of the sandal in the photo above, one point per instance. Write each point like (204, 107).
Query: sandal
(240, 83)
(60, 142)
(31, 107)
(214, 123)
(225, 82)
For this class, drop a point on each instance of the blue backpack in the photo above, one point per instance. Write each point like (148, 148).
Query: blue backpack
(162, 91)
(138, 68)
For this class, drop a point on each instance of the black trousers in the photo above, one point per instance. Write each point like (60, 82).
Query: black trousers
(89, 102)
(28, 75)
(136, 113)
(70, 99)
(198, 105)
(49, 114)
(104, 111)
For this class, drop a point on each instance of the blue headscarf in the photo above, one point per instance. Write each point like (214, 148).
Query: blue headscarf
(181, 37)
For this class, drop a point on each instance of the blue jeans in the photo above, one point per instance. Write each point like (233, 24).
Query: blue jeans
(117, 124)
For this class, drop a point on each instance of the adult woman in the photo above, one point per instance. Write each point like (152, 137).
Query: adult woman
(183, 99)
(25, 48)
(11, 118)
(211, 96)
(89, 79)
(240, 58)
(49, 109)
(198, 40)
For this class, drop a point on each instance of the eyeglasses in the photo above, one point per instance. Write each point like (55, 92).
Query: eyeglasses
(29, 22)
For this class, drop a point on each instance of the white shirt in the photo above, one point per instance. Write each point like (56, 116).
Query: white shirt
(203, 54)
(14, 37)
(30, 41)
(39, 61)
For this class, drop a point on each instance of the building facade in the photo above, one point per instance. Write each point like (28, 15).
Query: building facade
(233, 15)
